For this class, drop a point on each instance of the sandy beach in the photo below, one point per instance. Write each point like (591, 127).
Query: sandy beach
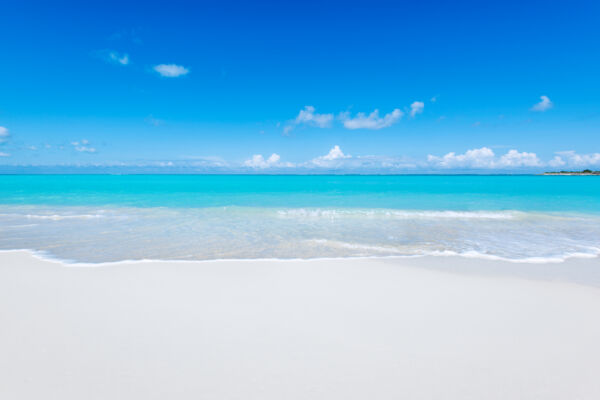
(428, 328)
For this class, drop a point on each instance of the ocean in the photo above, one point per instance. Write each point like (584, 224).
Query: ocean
(106, 218)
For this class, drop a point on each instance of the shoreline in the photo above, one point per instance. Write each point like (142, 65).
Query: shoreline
(46, 256)
(583, 269)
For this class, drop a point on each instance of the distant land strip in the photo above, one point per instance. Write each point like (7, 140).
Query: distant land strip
(584, 172)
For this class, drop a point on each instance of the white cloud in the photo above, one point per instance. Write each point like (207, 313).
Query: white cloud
(337, 159)
(335, 154)
(573, 159)
(478, 158)
(359, 121)
(515, 159)
(372, 121)
(330, 159)
(416, 108)
(543, 105)
(82, 146)
(258, 161)
(171, 70)
(485, 158)
(557, 161)
(85, 149)
(309, 117)
(4, 134)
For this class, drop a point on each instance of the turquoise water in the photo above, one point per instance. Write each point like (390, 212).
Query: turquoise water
(95, 218)
(415, 192)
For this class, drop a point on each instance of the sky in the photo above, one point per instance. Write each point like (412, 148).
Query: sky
(269, 87)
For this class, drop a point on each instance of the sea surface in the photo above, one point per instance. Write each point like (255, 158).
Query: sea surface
(101, 218)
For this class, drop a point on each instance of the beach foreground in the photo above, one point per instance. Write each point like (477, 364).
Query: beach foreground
(322, 329)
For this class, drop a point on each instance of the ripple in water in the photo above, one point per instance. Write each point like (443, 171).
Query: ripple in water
(88, 234)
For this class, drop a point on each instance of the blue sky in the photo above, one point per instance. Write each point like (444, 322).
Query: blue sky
(267, 86)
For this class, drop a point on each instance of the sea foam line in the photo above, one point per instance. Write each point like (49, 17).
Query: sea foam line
(54, 217)
(400, 214)
(45, 256)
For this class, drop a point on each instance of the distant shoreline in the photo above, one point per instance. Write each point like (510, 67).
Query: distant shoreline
(585, 172)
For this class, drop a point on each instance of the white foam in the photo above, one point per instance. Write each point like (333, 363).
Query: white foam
(63, 217)
(53, 217)
(400, 214)
(524, 260)
(357, 246)
(302, 233)
(593, 253)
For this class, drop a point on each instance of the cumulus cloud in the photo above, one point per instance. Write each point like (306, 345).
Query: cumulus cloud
(82, 146)
(171, 70)
(258, 161)
(543, 105)
(485, 158)
(361, 120)
(573, 159)
(371, 121)
(515, 159)
(4, 134)
(338, 160)
(309, 117)
(335, 154)
(330, 159)
(416, 108)
(557, 161)
(478, 158)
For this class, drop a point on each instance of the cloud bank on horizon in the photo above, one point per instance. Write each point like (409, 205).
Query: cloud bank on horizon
(474, 159)
(337, 161)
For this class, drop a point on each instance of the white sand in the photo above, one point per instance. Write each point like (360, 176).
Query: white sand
(360, 329)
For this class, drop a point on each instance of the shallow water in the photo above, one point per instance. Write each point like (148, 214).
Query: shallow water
(96, 218)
